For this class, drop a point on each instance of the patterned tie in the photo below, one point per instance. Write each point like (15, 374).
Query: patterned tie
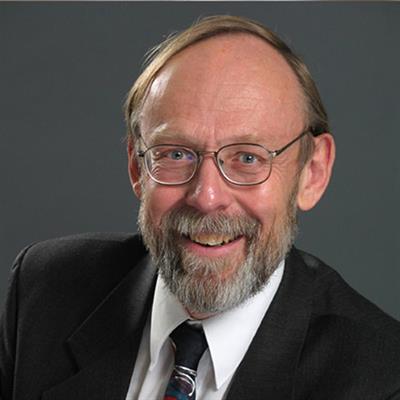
(190, 344)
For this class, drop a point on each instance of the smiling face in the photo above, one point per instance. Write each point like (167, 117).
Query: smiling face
(217, 243)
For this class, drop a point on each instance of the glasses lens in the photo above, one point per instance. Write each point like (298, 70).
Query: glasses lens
(170, 164)
(245, 163)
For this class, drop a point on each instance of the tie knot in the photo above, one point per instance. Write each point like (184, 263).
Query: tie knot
(190, 344)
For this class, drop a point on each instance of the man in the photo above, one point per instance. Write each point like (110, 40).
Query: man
(227, 138)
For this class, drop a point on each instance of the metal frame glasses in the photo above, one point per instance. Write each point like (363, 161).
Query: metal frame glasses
(243, 164)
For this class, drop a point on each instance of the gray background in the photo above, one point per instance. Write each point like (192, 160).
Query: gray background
(65, 69)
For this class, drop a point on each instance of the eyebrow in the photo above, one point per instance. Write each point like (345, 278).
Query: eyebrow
(165, 137)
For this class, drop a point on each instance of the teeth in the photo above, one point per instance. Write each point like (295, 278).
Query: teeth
(206, 239)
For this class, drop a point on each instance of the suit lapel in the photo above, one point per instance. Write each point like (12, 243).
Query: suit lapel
(105, 346)
(268, 369)
(104, 379)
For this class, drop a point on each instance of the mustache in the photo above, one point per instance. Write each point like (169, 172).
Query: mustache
(188, 221)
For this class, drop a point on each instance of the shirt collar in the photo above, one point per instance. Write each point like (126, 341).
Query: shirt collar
(167, 314)
(228, 334)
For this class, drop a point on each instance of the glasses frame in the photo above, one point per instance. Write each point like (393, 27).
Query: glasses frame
(201, 154)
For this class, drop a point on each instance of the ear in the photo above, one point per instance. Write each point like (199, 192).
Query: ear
(133, 168)
(315, 175)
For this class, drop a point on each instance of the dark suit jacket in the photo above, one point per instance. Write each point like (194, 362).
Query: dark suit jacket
(77, 306)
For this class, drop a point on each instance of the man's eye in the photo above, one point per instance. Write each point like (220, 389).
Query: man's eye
(176, 154)
(248, 158)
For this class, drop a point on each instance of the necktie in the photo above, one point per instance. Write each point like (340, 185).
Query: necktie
(190, 344)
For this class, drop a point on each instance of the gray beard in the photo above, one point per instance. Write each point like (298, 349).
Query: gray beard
(198, 283)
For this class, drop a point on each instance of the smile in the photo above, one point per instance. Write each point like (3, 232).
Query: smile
(211, 240)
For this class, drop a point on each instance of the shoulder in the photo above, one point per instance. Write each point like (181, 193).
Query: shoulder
(86, 242)
(349, 338)
(332, 295)
(91, 250)
(79, 269)
(56, 285)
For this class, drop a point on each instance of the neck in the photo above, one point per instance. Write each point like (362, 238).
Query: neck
(199, 316)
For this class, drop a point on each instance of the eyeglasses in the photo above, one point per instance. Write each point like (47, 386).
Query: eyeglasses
(243, 164)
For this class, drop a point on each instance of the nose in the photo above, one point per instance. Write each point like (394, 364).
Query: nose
(208, 191)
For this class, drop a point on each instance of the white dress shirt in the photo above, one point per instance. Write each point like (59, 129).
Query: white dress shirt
(228, 334)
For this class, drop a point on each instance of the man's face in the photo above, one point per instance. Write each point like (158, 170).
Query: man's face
(217, 243)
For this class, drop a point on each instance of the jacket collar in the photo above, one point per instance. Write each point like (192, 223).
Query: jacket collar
(104, 347)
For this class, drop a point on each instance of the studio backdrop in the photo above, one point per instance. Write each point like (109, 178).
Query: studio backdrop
(65, 70)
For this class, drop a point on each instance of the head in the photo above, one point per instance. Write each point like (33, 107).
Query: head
(226, 80)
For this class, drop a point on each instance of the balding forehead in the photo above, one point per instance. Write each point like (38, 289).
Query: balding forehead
(235, 53)
(231, 73)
